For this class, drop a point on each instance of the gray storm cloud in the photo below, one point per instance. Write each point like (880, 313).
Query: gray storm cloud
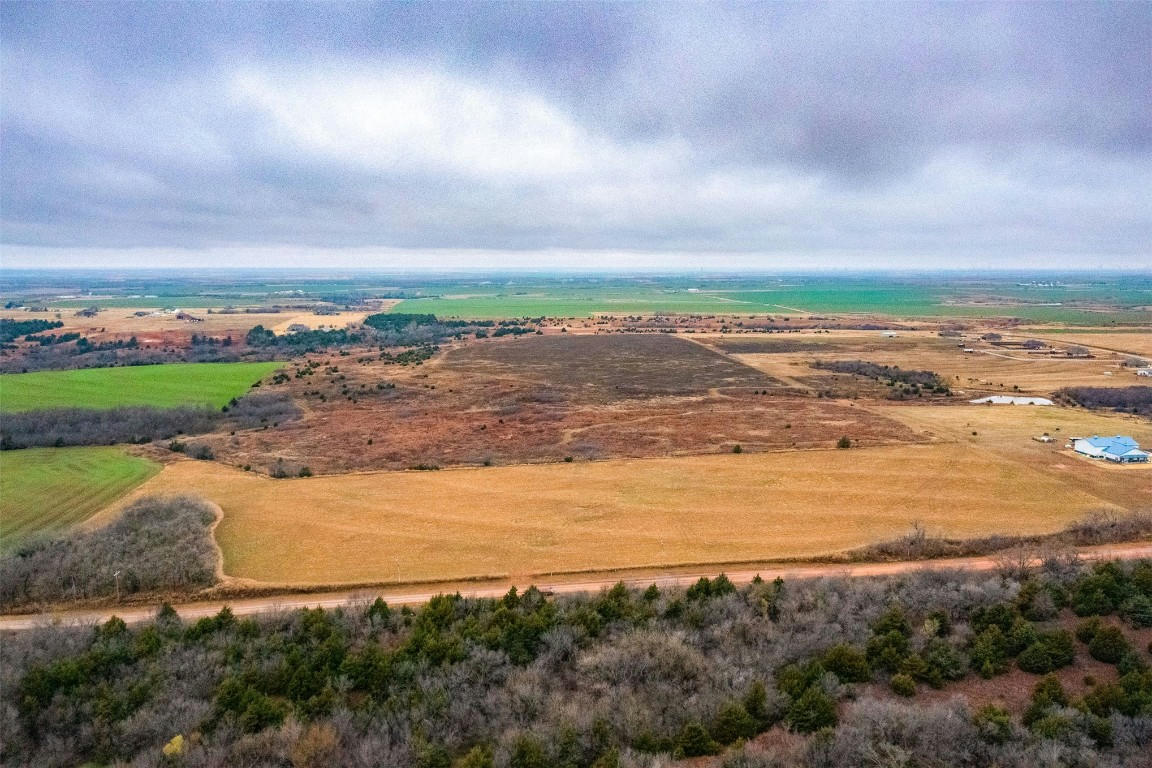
(868, 135)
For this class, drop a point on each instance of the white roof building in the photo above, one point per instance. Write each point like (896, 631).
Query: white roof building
(1011, 400)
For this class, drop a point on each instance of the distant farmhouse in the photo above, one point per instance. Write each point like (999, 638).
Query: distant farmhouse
(1144, 372)
(1011, 400)
(1120, 448)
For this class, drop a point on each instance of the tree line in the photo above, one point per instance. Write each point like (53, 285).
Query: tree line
(625, 678)
(11, 329)
(58, 427)
(158, 544)
(914, 380)
(1136, 399)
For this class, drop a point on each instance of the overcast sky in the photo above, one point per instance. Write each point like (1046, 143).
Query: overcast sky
(626, 136)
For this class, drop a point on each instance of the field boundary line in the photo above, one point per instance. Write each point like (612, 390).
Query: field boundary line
(339, 598)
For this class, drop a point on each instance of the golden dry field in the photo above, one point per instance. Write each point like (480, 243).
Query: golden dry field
(156, 326)
(1126, 341)
(988, 369)
(525, 520)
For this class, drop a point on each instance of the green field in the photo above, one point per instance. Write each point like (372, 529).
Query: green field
(574, 304)
(44, 490)
(161, 386)
(556, 299)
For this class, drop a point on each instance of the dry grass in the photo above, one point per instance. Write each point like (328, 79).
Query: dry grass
(990, 369)
(1005, 432)
(607, 368)
(526, 520)
(1127, 341)
(167, 328)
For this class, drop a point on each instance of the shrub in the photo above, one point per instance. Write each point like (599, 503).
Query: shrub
(1108, 645)
(1138, 611)
(1000, 615)
(994, 724)
(1050, 651)
(1087, 629)
(892, 620)
(756, 705)
(201, 451)
(989, 652)
(795, 679)
(887, 651)
(844, 442)
(694, 741)
(944, 663)
(1036, 659)
(903, 685)
(1047, 694)
(527, 752)
(848, 664)
(1096, 594)
(477, 757)
(1054, 726)
(734, 723)
(811, 712)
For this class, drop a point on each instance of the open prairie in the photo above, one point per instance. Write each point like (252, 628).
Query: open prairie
(526, 520)
(608, 367)
(162, 386)
(45, 490)
(1127, 341)
(159, 327)
(544, 398)
(986, 369)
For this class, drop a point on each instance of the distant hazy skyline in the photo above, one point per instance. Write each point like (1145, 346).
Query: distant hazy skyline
(619, 136)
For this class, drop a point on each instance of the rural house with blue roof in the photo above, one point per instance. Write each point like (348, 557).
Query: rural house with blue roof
(1120, 448)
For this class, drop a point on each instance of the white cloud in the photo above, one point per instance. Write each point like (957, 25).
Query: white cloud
(427, 121)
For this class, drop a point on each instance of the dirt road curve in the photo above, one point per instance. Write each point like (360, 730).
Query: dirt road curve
(399, 596)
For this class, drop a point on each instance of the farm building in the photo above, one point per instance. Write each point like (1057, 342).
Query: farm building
(1120, 448)
(1144, 372)
(1010, 400)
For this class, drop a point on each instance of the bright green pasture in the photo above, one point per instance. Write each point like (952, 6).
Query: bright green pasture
(160, 302)
(45, 490)
(161, 386)
(576, 304)
(877, 297)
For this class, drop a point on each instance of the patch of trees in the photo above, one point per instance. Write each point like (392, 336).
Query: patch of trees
(418, 330)
(1095, 528)
(1125, 399)
(308, 341)
(210, 341)
(81, 426)
(10, 329)
(158, 544)
(624, 678)
(398, 321)
(414, 356)
(905, 381)
(84, 346)
(512, 330)
(47, 340)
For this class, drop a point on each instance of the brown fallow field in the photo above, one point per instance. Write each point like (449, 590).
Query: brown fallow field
(545, 398)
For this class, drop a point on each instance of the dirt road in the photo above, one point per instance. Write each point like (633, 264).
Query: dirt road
(402, 596)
